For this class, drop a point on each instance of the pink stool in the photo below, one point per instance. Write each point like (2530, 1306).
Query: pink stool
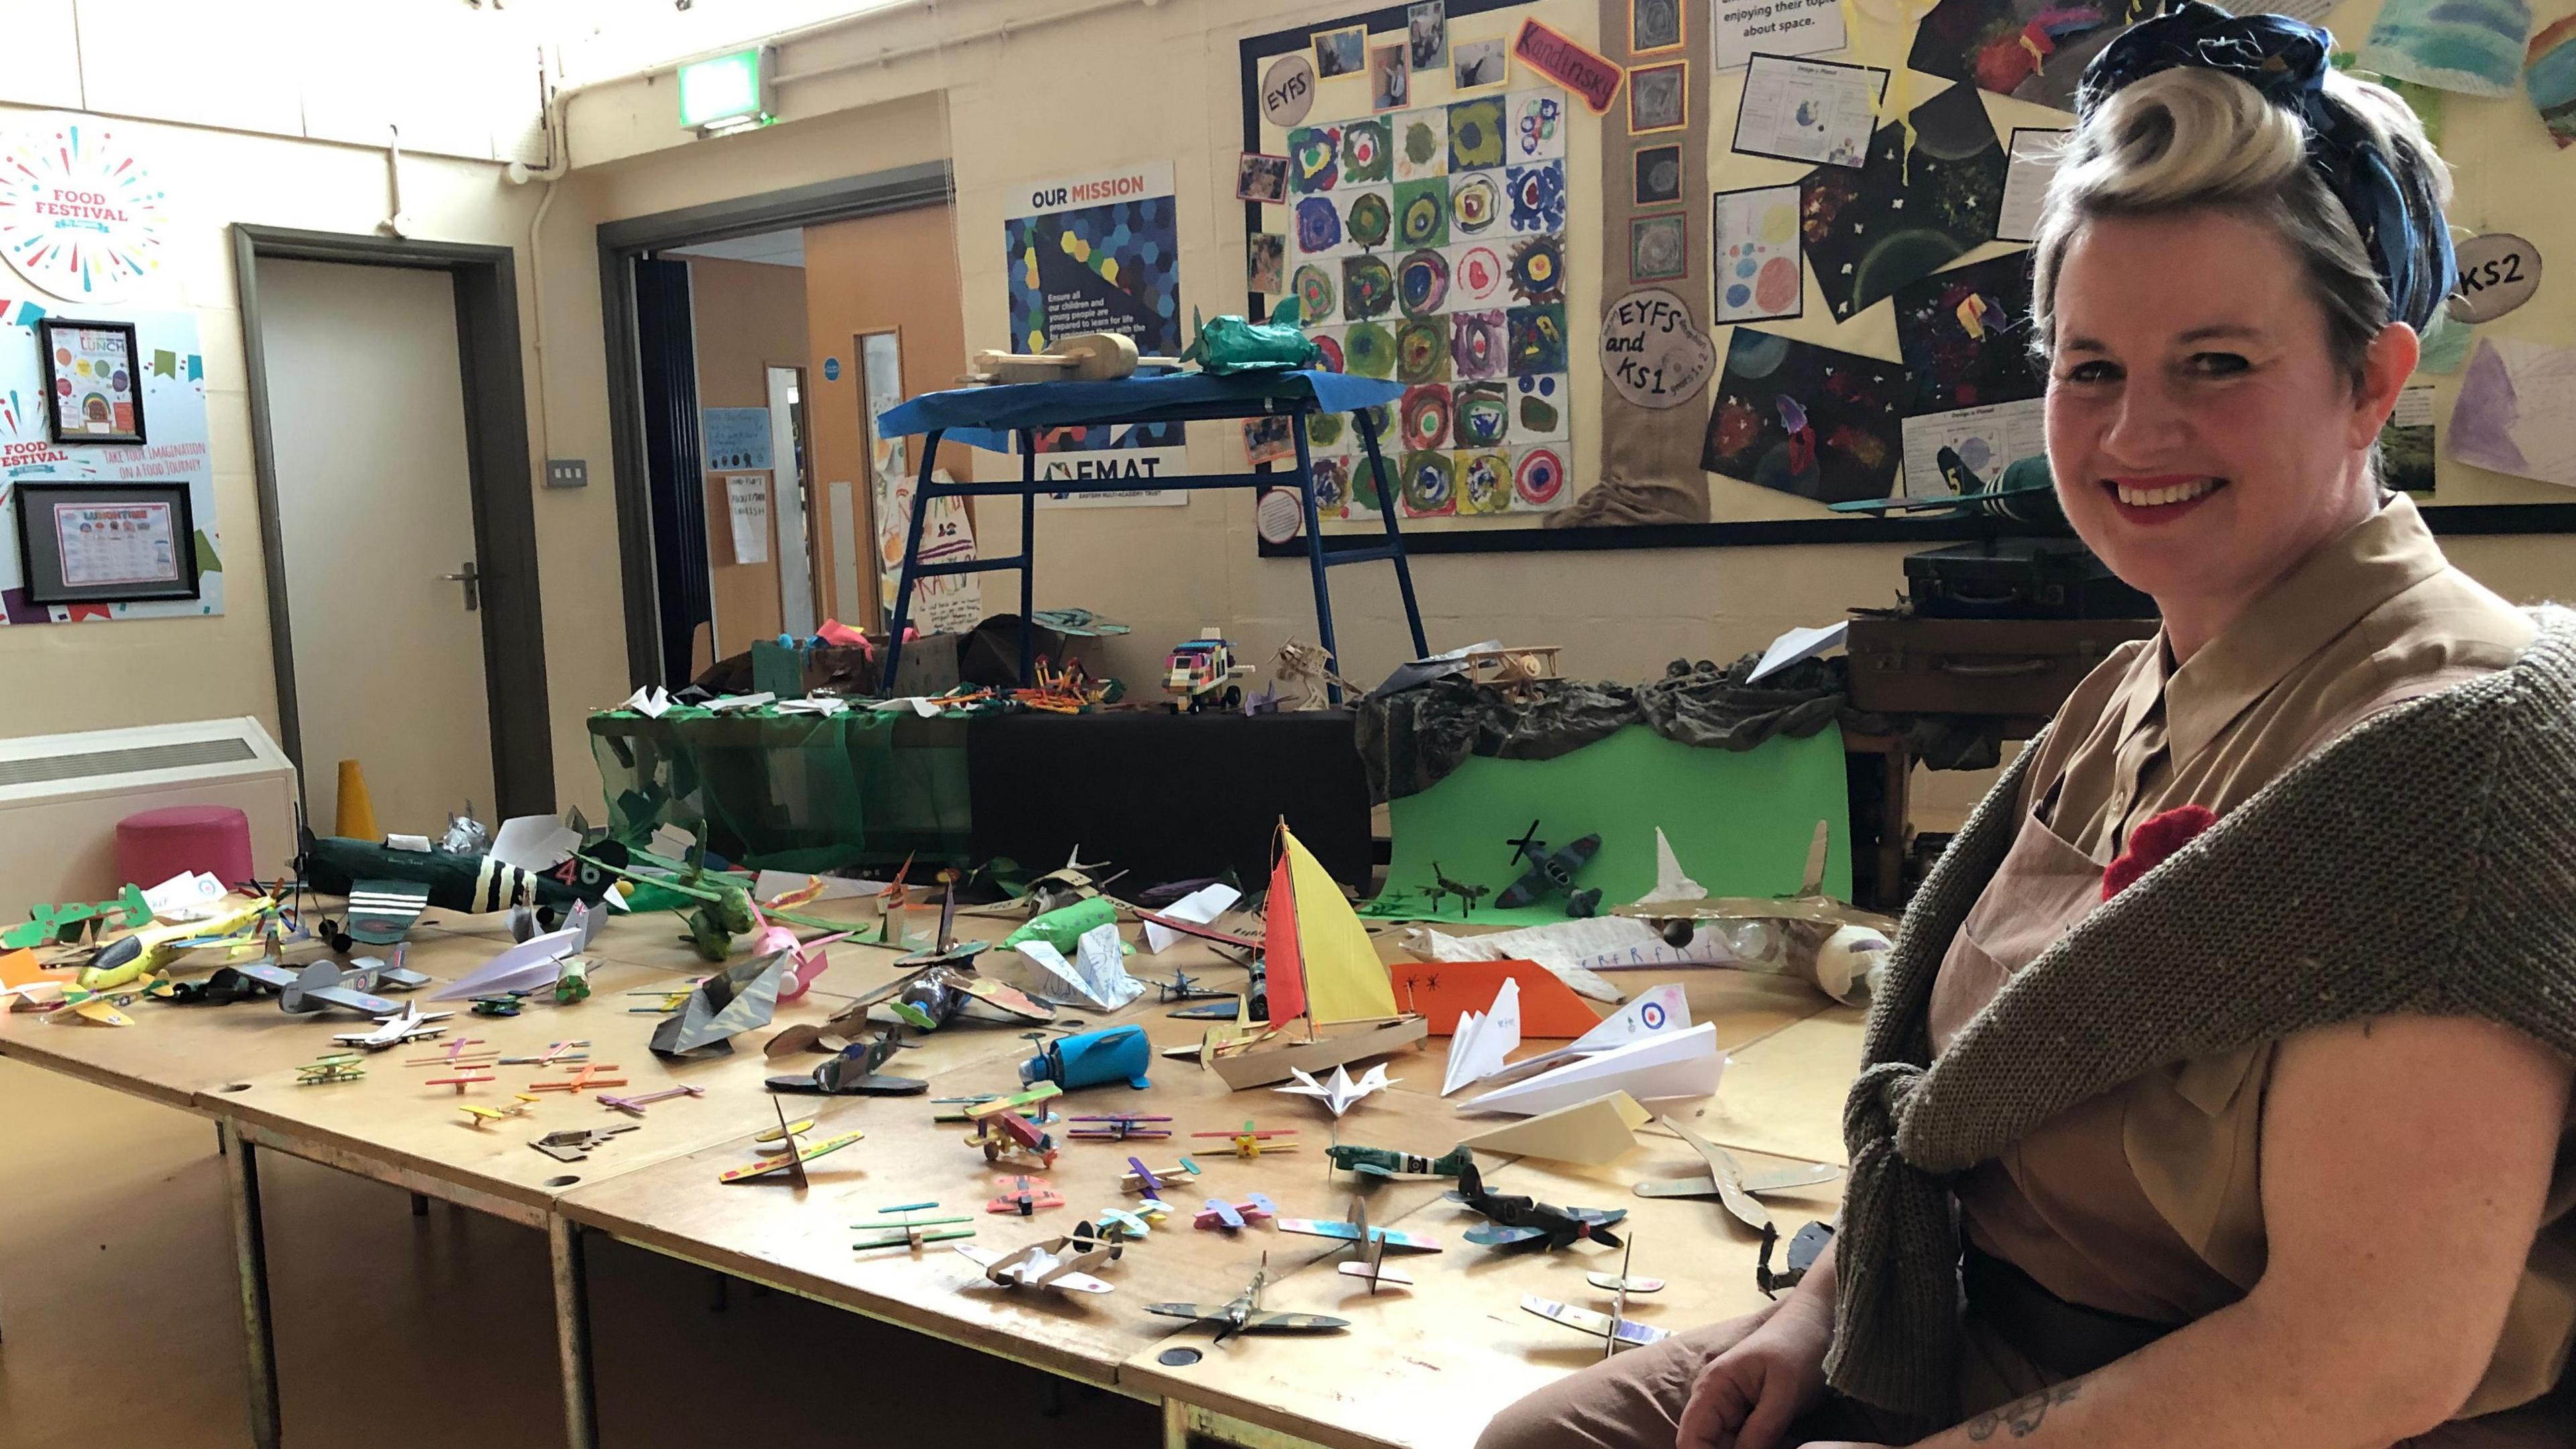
(155, 845)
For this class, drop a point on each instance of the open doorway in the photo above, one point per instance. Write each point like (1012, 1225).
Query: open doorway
(744, 337)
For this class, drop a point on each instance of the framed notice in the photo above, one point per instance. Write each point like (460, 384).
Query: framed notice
(93, 388)
(106, 543)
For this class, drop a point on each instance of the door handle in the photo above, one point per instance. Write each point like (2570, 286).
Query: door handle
(472, 579)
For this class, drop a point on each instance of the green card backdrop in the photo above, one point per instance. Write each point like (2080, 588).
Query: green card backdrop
(1739, 820)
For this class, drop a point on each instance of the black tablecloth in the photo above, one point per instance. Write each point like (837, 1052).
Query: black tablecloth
(1169, 797)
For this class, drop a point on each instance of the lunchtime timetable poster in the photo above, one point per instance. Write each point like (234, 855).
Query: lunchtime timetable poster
(1100, 252)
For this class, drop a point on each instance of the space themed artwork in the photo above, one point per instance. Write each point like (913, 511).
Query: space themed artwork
(1813, 421)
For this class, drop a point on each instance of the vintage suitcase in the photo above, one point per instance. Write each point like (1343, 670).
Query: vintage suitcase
(2022, 669)
(2019, 578)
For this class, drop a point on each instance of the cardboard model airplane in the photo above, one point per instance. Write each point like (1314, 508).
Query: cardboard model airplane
(60, 923)
(326, 985)
(1807, 922)
(737, 999)
(1372, 1243)
(1516, 1219)
(468, 884)
(783, 1149)
(852, 1072)
(1727, 1181)
(1062, 1264)
(1244, 1314)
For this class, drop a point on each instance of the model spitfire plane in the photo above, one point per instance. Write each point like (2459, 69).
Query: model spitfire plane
(390, 880)
(1516, 1219)
(1062, 1264)
(1244, 1313)
(1552, 873)
(1467, 894)
(1384, 1164)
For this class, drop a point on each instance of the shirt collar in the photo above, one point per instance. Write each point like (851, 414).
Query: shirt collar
(2326, 594)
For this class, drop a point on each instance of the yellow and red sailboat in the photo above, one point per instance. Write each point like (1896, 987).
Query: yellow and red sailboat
(1321, 969)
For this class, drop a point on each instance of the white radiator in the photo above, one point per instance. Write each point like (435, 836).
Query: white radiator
(61, 796)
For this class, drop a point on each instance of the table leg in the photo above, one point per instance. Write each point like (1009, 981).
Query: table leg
(250, 1257)
(572, 1332)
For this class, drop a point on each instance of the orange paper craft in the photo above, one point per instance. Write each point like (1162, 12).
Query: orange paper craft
(1443, 990)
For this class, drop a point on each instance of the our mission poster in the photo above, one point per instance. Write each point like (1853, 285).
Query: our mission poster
(1101, 253)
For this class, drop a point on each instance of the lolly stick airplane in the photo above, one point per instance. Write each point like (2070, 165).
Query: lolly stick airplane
(898, 1227)
(1024, 1195)
(1152, 1180)
(1116, 1127)
(1255, 1208)
(582, 1080)
(634, 1106)
(1244, 1313)
(1253, 1141)
(480, 1117)
(791, 1152)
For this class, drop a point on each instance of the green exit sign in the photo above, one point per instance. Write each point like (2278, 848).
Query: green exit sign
(725, 92)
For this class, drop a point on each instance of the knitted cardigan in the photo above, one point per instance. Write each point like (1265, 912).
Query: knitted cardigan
(2424, 861)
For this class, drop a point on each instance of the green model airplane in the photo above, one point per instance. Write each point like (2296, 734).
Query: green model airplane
(1381, 1162)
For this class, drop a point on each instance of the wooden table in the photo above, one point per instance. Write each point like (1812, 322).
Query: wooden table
(656, 1187)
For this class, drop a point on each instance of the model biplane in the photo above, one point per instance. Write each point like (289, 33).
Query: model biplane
(1234, 1216)
(1024, 1195)
(1116, 1126)
(1251, 1141)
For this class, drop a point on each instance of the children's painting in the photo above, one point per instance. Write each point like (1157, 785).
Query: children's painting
(1809, 420)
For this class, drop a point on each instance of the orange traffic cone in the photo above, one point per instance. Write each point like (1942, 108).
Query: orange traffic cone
(355, 818)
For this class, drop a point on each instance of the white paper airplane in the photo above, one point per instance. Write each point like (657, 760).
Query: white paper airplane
(528, 966)
(187, 896)
(650, 703)
(1657, 1010)
(732, 702)
(1096, 978)
(533, 842)
(1338, 1092)
(1664, 1065)
(1481, 1042)
(826, 705)
(1203, 906)
(408, 1024)
(1670, 883)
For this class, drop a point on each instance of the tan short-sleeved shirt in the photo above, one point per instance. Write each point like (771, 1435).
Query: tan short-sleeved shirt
(2147, 1200)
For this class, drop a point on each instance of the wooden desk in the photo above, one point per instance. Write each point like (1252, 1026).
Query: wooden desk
(1425, 1369)
(656, 1186)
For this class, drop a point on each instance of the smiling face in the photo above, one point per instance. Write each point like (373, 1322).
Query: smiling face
(2203, 437)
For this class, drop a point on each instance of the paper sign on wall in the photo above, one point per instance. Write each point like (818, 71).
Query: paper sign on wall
(81, 215)
(737, 437)
(1776, 27)
(747, 500)
(2030, 164)
(1565, 61)
(1651, 351)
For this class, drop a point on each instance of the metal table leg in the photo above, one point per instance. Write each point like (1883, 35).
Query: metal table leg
(250, 1257)
(572, 1332)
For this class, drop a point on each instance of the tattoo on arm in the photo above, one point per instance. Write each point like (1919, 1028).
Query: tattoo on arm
(2021, 1418)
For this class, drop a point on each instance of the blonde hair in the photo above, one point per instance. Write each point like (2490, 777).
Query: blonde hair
(2190, 138)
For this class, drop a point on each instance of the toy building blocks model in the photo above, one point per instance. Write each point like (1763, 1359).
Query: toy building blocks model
(1201, 674)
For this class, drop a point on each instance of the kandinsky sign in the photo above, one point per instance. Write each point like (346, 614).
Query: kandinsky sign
(81, 216)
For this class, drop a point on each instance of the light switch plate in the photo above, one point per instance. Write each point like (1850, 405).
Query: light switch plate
(567, 472)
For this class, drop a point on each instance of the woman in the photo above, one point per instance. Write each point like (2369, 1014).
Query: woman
(2254, 1146)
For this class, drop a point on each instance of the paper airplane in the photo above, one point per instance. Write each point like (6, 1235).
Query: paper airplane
(533, 843)
(1338, 1092)
(1591, 1132)
(529, 966)
(1670, 883)
(1798, 644)
(1097, 978)
(1481, 1042)
(733, 702)
(187, 896)
(650, 703)
(826, 705)
(736, 999)
(1656, 1011)
(1666, 1064)
(1203, 905)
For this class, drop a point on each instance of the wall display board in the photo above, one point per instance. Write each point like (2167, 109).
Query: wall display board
(1100, 252)
(1720, 265)
(134, 540)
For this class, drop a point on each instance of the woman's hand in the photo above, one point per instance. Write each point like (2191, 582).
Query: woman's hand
(1747, 1397)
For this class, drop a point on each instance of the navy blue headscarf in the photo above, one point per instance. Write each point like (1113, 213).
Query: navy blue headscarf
(2401, 225)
